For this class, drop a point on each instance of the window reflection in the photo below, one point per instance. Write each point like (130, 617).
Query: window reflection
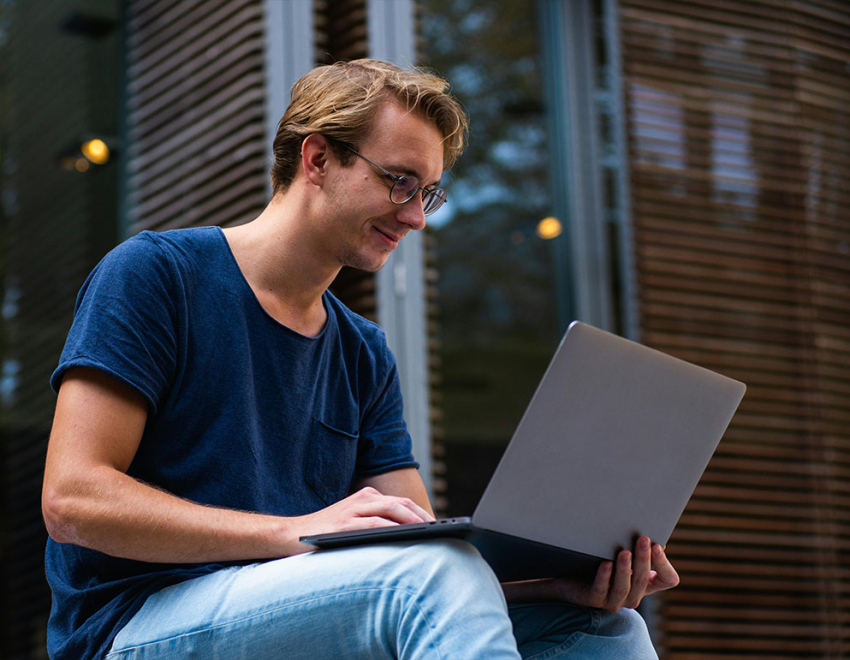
(497, 308)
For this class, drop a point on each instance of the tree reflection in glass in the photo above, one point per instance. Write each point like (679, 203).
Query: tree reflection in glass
(497, 311)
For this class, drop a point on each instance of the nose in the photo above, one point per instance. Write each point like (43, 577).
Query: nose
(412, 213)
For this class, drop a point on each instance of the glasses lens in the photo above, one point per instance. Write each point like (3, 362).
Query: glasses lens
(404, 189)
(433, 199)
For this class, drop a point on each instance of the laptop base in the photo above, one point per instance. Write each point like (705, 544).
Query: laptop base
(510, 557)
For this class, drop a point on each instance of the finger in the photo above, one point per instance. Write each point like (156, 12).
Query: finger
(622, 582)
(665, 576)
(601, 585)
(641, 567)
(421, 514)
(371, 522)
(369, 494)
(418, 510)
(396, 509)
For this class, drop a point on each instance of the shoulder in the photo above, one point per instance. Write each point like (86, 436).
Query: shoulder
(136, 250)
(157, 256)
(147, 267)
(176, 245)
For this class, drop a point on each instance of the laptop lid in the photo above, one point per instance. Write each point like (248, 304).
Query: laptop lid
(611, 446)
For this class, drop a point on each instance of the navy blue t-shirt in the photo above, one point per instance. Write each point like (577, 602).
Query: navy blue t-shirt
(244, 413)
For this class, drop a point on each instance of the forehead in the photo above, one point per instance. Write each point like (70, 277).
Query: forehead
(407, 140)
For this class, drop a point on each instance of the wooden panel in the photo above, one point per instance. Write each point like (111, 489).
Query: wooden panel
(195, 88)
(739, 143)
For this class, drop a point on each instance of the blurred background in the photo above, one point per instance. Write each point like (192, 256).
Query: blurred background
(675, 171)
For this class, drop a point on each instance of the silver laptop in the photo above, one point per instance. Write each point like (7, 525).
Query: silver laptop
(610, 448)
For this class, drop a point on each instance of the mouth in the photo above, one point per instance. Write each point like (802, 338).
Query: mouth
(391, 240)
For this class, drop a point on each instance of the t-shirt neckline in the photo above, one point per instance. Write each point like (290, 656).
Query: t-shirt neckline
(331, 317)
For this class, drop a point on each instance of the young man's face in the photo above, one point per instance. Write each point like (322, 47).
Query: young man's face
(366, 226)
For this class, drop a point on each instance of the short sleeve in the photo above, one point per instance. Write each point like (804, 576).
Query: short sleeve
(385, 443)
(125, 320)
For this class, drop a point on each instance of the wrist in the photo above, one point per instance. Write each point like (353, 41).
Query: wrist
(284, 535)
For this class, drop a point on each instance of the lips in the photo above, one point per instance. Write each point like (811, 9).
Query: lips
(389, 238)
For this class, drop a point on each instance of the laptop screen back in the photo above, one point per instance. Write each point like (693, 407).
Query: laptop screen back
(611, 446)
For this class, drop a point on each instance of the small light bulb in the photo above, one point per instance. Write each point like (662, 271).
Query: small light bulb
(549, 228)
(96, 151)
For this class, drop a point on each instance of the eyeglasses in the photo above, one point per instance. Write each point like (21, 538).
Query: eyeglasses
(405, 187)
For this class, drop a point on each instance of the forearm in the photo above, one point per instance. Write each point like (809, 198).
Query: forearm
(107, 510)
(113, 513)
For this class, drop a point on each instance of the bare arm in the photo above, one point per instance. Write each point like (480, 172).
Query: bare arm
(89, 500)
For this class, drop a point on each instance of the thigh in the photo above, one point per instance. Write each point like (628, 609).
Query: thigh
(382, 601)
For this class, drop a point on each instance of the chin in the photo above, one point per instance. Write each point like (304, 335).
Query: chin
(360, 262)
(375, 267)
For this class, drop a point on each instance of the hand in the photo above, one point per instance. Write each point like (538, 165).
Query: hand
(649, 573)
(364, 509)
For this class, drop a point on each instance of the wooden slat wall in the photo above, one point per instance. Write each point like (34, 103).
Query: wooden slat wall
(341, 30)
(195, 86)
(436, 411)
(738, 122)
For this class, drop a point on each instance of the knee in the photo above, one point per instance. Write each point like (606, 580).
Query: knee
(628, 622)
(450, 562)
(630, 628)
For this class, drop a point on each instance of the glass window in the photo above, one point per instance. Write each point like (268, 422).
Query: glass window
(496, 245)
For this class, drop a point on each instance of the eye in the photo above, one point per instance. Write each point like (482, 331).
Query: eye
(407, 184)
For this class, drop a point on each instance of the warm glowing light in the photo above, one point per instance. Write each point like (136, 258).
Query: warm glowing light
(96, 151)
(549, 228)
(82, 165)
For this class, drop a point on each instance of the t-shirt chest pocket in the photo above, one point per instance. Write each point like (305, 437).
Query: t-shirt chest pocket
(330, 460)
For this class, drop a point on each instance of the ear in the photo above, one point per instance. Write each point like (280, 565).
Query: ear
(315, 153)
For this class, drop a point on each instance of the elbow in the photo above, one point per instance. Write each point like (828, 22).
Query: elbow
(57, 511)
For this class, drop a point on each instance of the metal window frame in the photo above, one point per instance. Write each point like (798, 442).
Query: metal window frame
(400, 283)
(289, 53)
(568, 48)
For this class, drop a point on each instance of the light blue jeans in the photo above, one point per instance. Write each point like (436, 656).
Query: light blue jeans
(436, 599)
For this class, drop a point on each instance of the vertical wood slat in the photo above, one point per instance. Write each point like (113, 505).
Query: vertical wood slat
(195, 113)
(738, 122)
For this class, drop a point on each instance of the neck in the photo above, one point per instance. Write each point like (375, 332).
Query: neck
(278, 257)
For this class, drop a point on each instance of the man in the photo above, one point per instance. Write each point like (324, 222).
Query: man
(215, 403)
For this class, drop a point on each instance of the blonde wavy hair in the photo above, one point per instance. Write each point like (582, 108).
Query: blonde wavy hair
(340, 101)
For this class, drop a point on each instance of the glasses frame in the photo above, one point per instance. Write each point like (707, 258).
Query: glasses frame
(427, 193)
